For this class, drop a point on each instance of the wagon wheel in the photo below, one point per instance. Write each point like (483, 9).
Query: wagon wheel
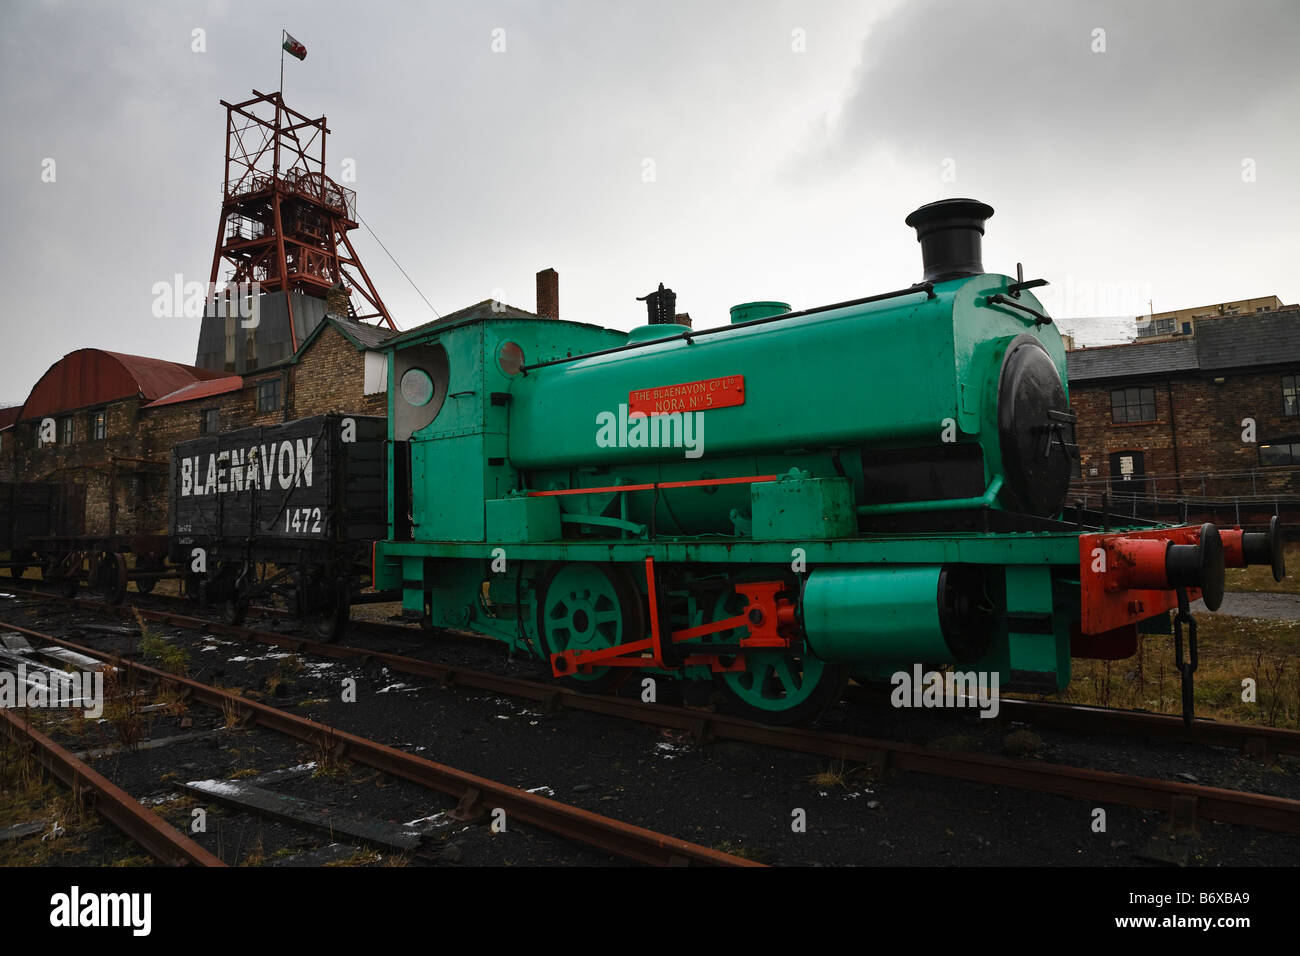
(18, 570)
(778, 687)
(108, 576)
(234, 602)
(67, 573)
(589, 607)
(146, 562)
(324, 606)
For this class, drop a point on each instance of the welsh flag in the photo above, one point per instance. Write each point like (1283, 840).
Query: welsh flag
(294, 48)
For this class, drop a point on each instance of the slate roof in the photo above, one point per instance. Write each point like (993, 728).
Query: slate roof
(1266, 338)
(472, 313)
(363, 336)
(1235, 342)
(1131, 360)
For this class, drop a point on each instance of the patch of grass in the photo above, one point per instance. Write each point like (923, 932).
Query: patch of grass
(170, 657)
(181, 801)
(365, 856)
(231, 713)
(281, 681)
(27, 795)
(122, 707)
(256, 854)
(1231, 650)
(832, 776)
(1260, 578)
(328, 755)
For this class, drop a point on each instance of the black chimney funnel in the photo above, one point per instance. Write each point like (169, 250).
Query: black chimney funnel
(661, 306)
(950, 233)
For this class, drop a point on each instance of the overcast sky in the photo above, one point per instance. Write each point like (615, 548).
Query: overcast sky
(1133, 151)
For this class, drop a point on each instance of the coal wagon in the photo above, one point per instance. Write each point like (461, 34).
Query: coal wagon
(289, 509)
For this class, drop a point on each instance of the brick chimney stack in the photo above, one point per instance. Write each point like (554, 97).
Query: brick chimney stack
(548, 294)
(337, 301)
(684, 318)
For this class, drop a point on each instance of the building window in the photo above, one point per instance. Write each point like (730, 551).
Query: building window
(1291, 395)
(1164, 326)
(65, 430)
(99, 424)
(1284, 452)
(1133, 405)
(268, 395)
(209, 421)
(1187, 328)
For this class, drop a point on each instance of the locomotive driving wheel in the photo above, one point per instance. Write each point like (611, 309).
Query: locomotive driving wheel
(778, 687)
(589, 607)
(782, 688)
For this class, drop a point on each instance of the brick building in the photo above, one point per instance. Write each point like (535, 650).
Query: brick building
(114, 418)
(1214, 414)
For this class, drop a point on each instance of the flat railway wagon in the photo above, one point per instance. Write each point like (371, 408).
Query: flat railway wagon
(29, 513)
(290, 509)
(773, 507)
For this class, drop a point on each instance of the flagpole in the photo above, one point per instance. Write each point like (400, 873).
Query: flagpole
(283, 33)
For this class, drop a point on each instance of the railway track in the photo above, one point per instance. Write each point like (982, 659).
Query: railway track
(476, 794)
(162, 841)
(1252, 739)
(1184, 802)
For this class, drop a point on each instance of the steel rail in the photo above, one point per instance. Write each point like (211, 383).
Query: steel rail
(476, 794)
(1229, 806)
(162, 841)
(1251, 738)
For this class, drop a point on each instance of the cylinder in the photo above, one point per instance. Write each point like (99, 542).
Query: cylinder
(860, 614)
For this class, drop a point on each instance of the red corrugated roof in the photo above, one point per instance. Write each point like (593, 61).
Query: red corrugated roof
(197, 390)
(91, 376)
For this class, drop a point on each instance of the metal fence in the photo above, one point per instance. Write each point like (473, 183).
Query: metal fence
(1249, 497)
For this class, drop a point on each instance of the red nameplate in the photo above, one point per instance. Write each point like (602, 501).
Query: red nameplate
(689, 397)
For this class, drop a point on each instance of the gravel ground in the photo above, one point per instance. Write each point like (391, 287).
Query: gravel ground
(775, 806)
(1256, 604)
